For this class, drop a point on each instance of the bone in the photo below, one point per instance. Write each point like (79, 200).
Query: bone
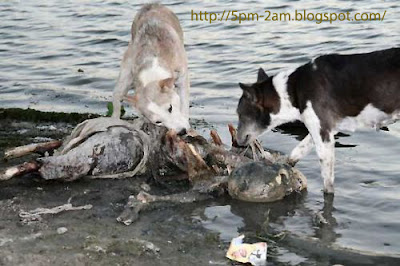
(35, 215)
(131, 211)
(254, 151)
(186, 197)
(19, 170)
(196, 156)
(232, 131)
(216, 138)
(146, 202)
(197, 168)
(40, 148)
(256, 147)
(264, 154)
(193, 133)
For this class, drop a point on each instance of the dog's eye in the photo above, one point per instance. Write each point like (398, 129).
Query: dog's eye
(158, 122)
(170, 108)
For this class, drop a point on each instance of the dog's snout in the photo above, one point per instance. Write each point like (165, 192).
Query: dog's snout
(244, 140)
(182, 132)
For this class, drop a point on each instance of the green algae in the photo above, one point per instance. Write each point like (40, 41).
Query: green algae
(31, 115)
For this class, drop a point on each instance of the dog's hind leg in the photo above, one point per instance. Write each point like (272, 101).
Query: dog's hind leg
(124, 82)
(301, 150)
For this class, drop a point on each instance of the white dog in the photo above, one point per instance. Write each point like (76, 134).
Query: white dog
(155, 66)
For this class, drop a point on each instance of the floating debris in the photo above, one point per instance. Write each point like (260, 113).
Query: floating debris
(255, 254)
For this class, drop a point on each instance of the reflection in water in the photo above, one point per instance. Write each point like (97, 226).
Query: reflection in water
(263, 217)
(259, 221)
(268, 222)
(299, 131)
(325, 230)
(221, 219)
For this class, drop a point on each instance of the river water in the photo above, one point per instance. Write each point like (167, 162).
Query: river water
(44, 43)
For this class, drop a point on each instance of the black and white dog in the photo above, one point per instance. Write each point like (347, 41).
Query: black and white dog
(331, 93)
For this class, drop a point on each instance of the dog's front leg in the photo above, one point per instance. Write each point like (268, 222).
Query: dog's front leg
(326, 153)
(325, 146)
(301, 150)
(124, 82)
(182, 84)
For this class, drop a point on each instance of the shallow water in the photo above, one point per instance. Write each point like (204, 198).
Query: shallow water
(44, 43)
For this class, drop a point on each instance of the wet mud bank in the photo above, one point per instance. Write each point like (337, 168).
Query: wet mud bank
(188, 234)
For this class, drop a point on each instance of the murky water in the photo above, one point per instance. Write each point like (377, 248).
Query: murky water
(44, 43)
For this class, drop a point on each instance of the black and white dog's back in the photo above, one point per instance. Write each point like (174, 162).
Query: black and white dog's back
(331, 93)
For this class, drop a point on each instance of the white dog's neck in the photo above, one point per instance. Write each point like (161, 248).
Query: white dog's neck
(153, 73)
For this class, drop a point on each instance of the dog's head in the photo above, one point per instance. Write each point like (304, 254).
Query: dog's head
(160, 103)
(258, 102)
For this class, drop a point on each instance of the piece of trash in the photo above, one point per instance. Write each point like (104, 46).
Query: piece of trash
(62, 230)
(256, 253)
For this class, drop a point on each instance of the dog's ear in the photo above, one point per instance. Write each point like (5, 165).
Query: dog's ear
(132, 99)
(269, 100)
(248, 91)
(166, 84)
(262, 76)
(244, 87)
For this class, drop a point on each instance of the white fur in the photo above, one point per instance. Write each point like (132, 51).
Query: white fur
(311, 120)
(325, 150)
(124, 82)
(287, 112)
(149, 60)
(313, 64)
(182, 80)
(174, 120)
(154, 73)
(302, 149)
(369, 117)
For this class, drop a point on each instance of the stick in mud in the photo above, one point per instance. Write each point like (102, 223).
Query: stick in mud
(40, 148)
(35, 214)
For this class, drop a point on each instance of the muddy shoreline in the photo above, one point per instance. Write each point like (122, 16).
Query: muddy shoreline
(93, 236)
(172, 235)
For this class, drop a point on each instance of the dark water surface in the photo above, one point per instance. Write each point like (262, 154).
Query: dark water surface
(44, 43)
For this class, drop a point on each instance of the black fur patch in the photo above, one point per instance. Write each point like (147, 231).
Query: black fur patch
(258, 101)
(341, 86)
